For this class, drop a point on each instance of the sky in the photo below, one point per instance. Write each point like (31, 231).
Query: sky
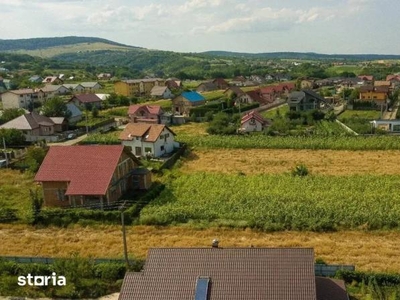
(253, 26)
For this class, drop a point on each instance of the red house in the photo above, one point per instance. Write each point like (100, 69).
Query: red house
(89, 175)
(145, 113)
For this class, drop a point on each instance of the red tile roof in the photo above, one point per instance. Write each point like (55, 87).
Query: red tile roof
(152, 109)
(88, 169)
(234, 273)
(149, 132)
(253, 115)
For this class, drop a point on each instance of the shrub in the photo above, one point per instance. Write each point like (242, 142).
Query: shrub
(300, 170)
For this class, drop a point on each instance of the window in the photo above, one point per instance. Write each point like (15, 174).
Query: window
(147, 149)
(61, 194)
(162, 148)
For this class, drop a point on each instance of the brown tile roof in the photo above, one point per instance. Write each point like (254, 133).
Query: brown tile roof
(86, 98)
(88, 169)
(255, 95)
(149, 132)
(377, 89)
(235, 274)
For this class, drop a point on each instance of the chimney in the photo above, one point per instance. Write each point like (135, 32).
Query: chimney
(215, 243)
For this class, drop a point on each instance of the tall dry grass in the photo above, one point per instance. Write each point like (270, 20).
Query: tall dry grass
(377, 251)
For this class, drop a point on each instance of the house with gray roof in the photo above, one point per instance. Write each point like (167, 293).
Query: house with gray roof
(91, 86)
(35, 126)
(161, 92)
(74, 87)
(76, 113)
(217, 273)
(306, 100)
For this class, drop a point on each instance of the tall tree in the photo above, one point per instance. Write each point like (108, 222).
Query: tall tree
(55, 107)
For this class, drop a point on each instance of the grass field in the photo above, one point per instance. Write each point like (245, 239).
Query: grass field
(271, 114)
(83, 47)
(275, 161)
(14, 192)
(362, 114)
(345, 68)
(377, 251)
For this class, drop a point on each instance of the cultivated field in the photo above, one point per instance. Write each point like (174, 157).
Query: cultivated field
(275, 161)
(377, 251)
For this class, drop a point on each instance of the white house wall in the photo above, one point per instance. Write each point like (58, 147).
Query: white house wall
(250, 128)
(155, 147)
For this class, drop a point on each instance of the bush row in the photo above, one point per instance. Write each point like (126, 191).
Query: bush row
(64, 217)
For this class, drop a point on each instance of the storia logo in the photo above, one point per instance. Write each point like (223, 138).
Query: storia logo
(53, 280)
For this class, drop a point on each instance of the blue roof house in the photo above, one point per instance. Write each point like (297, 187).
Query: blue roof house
(185, 101)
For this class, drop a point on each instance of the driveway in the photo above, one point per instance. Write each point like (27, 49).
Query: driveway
(69, 142)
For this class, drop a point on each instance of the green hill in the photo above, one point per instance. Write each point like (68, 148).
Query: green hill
(49, 47)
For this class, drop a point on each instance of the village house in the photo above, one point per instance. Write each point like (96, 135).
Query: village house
(153, 140)
(23, 98)
(387, 125)
(253, 121)
(51, 90)
(52, 80)
(35, 79)
(74, 87)
(233, 91)
(137, 87)
(217, 273)
(145, 113)
(75, 113)
(35, 126)
(221, 83)
(173, 83)
(162, 92)
(91, 86)
(94, 176)
(86, 100)
(366, 79)
(104, 76)
(377, 94)
(206, 87)
(187, 100)
(306, 100)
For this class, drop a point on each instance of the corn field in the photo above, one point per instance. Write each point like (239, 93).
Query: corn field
(279, 202)
(293, 142)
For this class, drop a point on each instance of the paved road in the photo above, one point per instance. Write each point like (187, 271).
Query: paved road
(69, 142)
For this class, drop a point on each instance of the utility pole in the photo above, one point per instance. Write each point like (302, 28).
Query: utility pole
(5, 151)
(122, 208)
(87, 127)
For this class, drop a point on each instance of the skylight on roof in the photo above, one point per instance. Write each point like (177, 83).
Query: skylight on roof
(202, 288)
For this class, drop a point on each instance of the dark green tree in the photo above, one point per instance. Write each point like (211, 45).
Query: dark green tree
(10, 114)
(55, 107)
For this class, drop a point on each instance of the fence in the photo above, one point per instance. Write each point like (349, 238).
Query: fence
(172, 160)
(270, 105)
(330, 270)
(320, 269)
(48, 260)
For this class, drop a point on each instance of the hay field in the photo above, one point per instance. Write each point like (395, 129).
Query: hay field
(323, 162)
(377, 251)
